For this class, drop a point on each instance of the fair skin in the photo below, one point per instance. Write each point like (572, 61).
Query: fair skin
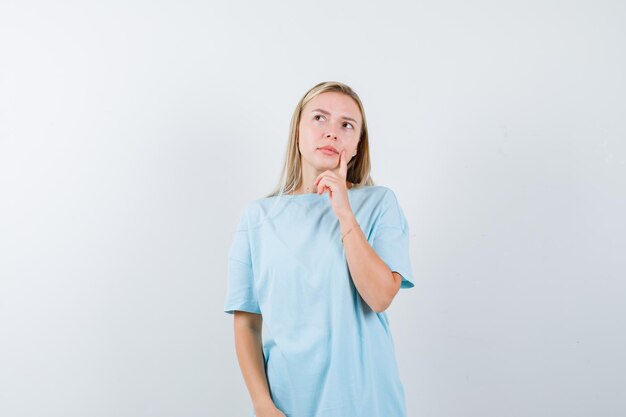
(329, 119)
(248, 345)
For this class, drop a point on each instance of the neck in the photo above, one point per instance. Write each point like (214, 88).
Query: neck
(302, 189)
(309, 174)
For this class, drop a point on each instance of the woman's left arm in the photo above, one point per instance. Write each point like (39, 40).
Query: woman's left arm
(373, 279)
(376, 283)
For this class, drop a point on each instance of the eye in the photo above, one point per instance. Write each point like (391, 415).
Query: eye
(316, 116)
(349, 124)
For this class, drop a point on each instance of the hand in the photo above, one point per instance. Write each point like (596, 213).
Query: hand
(268, 411)
(334, 182)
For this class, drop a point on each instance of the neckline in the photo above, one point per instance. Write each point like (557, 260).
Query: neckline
(314, 195)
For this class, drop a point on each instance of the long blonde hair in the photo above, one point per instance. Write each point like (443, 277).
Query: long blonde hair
(358, 167)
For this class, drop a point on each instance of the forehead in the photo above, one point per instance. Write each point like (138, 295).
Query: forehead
(338, 104)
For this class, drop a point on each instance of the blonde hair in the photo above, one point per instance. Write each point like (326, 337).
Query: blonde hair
(359, 166)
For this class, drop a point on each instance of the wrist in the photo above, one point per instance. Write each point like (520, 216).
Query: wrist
(347, 220)
(263, 405)
(348, 225)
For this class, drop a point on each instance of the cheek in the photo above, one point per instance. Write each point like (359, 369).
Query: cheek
(307, 136)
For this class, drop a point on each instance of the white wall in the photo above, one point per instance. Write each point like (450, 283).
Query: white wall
(132, 133)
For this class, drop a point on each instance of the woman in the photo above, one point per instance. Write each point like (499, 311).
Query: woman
(315, 264)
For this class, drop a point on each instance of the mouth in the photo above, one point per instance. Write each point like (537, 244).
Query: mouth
(328, 150)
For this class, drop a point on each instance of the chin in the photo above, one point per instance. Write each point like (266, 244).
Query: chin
(327, 159)
(323, 165)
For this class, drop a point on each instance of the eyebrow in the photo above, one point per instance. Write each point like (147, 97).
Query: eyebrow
(343, 117)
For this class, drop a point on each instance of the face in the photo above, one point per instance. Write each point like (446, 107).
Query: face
(330, 120)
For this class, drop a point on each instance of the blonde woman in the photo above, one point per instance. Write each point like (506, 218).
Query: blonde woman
(313, 267)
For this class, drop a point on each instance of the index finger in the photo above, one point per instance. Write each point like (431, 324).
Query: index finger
(343, 165)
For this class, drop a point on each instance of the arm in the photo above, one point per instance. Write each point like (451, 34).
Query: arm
(373, 279)
(248, 344)
(375, 282)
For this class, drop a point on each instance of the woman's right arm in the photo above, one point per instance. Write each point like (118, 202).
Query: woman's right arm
(249, 347)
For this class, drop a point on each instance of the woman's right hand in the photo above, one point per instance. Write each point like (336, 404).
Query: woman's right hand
(269, 410)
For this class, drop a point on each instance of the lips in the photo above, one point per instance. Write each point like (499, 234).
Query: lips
(329, 148)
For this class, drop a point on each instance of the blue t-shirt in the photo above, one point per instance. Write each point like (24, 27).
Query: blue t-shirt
(327, 353)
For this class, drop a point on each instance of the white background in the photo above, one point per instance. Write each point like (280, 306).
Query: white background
(132, 133)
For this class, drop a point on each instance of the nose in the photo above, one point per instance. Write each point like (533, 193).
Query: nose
(331, 134)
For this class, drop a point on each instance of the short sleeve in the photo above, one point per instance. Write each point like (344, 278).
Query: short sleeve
(391, 238)
(240, 293)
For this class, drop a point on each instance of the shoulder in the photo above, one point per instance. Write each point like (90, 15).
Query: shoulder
(245, 211)
(254, 211)
(383, 202)
(252, 205)
(379, 194)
